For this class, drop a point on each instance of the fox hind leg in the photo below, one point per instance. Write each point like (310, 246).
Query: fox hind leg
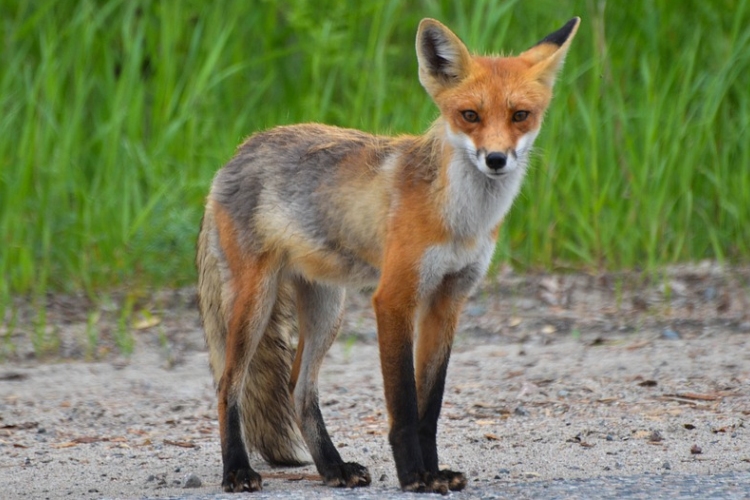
(320, 309)
(250, 295)
(250, 314)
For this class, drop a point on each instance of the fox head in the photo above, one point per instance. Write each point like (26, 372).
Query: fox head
(492, 106)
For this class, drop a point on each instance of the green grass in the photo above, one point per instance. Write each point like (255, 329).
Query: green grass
(114, 116)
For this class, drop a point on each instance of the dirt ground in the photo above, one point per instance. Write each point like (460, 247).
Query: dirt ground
(552, 376)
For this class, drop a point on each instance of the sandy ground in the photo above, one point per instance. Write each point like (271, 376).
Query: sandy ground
(552, 377)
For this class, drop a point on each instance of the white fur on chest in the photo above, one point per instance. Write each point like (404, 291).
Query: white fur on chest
(441, 260)
(475, 206)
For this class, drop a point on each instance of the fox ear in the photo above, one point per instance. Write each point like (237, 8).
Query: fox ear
(443, 58)
(548, 55)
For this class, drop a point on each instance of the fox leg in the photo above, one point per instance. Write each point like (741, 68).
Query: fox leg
(320, 310)
(250, 314)
(395, 302)
(251, 292)
(438, 321)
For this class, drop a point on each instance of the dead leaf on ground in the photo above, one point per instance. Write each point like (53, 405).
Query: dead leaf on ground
(68, 444)
(638, 345)
(492, 437)
(485, 422)
(481, 404)
(89, 439)
(181, 444)
(291, 476)
(686, 401)
(696, 396)
(721, 430)
(607, 400)
(22, 426)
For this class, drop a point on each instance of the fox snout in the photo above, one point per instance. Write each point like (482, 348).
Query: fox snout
(496, 161)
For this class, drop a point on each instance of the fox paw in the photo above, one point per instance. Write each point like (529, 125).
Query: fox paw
(456, 480)
(426, 482)
(239, 480)
(348, 475)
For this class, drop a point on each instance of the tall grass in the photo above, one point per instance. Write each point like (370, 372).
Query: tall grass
(114, 115)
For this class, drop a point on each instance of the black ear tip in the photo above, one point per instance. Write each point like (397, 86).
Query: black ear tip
(560, 36)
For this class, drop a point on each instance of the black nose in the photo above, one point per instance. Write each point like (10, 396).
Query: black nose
(496, 161)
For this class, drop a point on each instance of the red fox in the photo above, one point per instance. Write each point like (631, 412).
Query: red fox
(303, 211)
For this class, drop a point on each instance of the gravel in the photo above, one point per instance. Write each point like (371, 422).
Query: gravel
(584, 399)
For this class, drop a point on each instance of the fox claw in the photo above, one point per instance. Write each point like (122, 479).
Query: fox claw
(442, 482)
(242, 480)
(349, 475)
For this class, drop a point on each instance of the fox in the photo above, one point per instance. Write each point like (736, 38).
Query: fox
(303, 212)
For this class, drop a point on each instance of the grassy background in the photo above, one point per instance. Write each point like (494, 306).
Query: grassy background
(114, 116)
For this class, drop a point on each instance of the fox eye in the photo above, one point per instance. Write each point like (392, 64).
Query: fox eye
(520, 116)
(470, 116)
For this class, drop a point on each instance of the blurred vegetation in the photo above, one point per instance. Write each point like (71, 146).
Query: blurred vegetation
(114, 116)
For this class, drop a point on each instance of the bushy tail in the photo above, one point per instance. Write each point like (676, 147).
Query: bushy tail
(268, 415)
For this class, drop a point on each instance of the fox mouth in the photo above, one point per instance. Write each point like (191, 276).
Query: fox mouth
(497, 175)
(511, 167)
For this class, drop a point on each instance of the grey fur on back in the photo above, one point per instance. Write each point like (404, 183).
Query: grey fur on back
(268, 415)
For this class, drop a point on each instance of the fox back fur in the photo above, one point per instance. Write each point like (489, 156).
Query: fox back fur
(301, 212)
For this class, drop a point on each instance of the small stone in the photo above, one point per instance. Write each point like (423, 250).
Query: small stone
(192, 481)
(655, 437)
(670, 334)
(177, 469)
(150, 478)
(610, 437)
(521, 411)
(696, 450)
(563, 393)
(383, 477)
(667, 466)
(503, 471)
